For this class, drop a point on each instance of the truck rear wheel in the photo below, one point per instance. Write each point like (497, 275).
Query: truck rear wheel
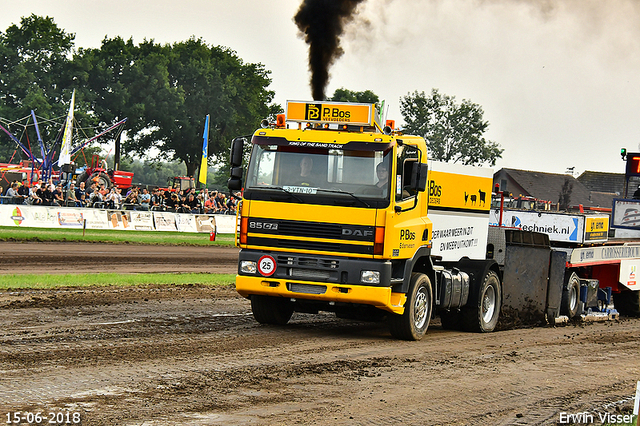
(483, 316)
(413, 323)
(271, 310)
(570, 305)
(627, 303)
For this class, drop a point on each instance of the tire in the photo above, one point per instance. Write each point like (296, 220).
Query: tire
(413, 323)
(101, 178)
(82, 178)
(271, 310)
(451, 320)
(627, 303)
(571, 305)
(483, 316)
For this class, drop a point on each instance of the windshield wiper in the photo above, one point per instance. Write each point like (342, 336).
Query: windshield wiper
(280, 189)
(339, 191)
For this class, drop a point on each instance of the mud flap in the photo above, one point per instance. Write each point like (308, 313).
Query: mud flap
(525, 281)
(556, 280)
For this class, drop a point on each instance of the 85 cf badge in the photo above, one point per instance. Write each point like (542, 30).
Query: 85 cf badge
(267, 265)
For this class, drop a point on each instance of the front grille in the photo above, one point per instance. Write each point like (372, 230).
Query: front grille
(309, 245)
(306, 288)
(312, 274)
(304, 229)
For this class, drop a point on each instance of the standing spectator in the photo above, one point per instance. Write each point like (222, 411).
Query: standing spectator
(209, 206)
(12, 194)
(173, 203)
(46, 194)
(58, 199)
(70, 199)
(113, 198)
(81, 196)
(96, 199)
(34, 197)
(131, 201)
(144, 199)
(157, 199)
(23, 192)
(220, 203)
(232, 205)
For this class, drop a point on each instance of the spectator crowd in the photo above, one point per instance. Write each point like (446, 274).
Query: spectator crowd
(200, 201)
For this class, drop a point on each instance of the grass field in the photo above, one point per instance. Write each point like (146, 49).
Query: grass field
(22, 281)
(113, 236)
(14, 281)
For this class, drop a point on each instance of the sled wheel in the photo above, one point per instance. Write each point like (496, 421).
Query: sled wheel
(570, 305)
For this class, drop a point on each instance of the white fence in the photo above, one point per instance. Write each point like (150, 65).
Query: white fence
(26, 216)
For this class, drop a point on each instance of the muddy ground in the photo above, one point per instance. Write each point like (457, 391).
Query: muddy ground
(194, 356)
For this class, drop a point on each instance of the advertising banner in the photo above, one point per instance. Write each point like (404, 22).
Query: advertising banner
(164, 221)
(626, 214)
(131, 220)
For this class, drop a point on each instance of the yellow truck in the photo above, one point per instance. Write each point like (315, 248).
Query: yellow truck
(345, 214)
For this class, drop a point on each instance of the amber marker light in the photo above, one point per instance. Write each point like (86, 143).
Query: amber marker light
(378, 244)
(280, 121)
(244, 225)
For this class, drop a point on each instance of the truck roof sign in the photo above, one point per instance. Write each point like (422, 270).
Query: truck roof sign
(332, 112)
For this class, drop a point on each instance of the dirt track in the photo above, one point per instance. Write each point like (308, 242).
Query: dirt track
(194, 355)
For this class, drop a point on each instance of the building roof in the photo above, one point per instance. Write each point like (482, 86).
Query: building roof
(603, 182)
(548, 186)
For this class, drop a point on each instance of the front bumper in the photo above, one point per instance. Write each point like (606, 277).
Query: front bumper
(380, 297)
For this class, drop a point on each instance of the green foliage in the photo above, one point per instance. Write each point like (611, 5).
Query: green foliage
(37, 73)
(345, 95)
(165, 91)
(454, 132)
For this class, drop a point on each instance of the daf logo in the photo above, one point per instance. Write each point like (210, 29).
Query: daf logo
(356, 233)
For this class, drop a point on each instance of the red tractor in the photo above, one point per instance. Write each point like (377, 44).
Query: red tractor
(98, 173)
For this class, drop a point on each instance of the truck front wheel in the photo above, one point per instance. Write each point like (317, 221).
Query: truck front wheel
(271, 310)
(483, 316)
(413, 323)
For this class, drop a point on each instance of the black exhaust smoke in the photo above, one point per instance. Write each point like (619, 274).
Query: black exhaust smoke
(322, 23)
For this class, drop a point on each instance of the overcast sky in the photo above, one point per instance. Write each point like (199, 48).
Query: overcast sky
(559, 80)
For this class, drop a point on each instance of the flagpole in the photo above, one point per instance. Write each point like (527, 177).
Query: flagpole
(202, 177)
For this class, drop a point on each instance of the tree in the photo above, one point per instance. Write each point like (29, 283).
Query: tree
(454, 132)
(167, 90)
(35, 75)
(345, 95)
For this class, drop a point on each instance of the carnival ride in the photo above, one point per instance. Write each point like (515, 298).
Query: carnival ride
(42, 167)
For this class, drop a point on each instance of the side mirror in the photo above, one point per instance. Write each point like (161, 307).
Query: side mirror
(235, 181)
(419, 177)
(237, 147)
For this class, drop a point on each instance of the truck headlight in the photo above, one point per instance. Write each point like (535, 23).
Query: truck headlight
(248, 266)
(370, 277)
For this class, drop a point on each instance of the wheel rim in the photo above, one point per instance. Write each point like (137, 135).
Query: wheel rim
(421, 308)
(488, 304)
(573, 298)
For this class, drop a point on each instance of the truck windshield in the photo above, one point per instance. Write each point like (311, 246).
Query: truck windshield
(355, 175)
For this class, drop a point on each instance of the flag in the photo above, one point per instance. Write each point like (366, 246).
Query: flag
(65, 157)
(203, 163)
